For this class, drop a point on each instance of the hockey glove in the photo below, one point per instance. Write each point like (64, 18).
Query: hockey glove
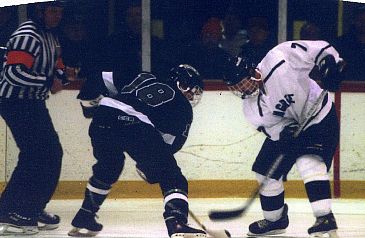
(89, 106)
(330, 73)
(287, 134)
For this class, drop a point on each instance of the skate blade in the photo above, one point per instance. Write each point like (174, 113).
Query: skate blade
(188, 235)
(274, 232)
(82, 232)
(331, 234)
(10, 229)
(47, 227)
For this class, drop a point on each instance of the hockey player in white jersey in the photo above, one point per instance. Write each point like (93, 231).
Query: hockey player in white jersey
(277, 96)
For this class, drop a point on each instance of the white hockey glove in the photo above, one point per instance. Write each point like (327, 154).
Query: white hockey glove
(89, 106)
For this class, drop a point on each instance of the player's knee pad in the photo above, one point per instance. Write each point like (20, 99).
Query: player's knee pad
(272, 188)
(312, 168)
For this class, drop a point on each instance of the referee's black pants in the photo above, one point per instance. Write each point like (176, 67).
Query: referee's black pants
(38, 168)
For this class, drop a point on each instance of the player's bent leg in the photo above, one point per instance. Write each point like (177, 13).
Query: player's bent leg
(16, 224)
(316, 179)
(174, 187)
(275, 211)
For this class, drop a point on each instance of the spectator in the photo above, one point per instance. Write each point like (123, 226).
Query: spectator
(234, 36)
(28, 73)
(124, 47)
(7, 26)
(259, 42)
(351, 47)
(310, 31)
(206, 55)
(77, 49)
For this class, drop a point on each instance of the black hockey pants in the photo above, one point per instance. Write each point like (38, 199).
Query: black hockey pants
(37, 172)
(113, 132)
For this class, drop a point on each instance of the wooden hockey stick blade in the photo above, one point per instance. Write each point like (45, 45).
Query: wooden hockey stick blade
(213, 233)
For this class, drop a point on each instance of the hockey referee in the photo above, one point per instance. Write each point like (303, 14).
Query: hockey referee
(30, 68)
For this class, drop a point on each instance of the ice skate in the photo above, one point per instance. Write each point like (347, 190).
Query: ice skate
(15, 224)
(265, 227)
(178, 229)
(85, 225)
(324, 225)
(48, 221)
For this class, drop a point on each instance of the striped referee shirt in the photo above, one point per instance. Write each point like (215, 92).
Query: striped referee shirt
(30, 62)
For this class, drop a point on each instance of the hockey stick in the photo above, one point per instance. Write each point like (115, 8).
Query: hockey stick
(230, 214)
(213, 233)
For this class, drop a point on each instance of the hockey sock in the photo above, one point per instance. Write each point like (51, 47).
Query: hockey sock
(176, 205)
(271, 197)
(316, 179)
(319, 194)
(95, 194)
(272, 206)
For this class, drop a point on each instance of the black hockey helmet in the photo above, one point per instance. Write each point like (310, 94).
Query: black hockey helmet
(239, 75)
(188, 81)
(237, 68)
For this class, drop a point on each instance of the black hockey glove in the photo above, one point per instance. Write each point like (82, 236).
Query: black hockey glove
(89, 106)
(330, 73)
(287, 134)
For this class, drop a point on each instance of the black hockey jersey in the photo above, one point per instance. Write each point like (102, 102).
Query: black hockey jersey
(155, 102)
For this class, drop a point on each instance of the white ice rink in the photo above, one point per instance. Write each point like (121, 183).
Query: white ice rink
(140, 218)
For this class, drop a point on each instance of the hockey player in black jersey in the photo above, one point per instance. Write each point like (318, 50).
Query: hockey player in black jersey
(149, 118)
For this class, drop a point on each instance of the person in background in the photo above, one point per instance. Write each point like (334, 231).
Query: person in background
(124, 46)
(30, 68)
(206, 55)
(279, 96)
(352, 47)
(77, 49)
(310, 31)
(149, 118)
(234, 36)
(7, 23)
(7, 26)
(259, 40)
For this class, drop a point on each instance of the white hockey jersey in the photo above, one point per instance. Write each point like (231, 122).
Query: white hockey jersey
(289, 92)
